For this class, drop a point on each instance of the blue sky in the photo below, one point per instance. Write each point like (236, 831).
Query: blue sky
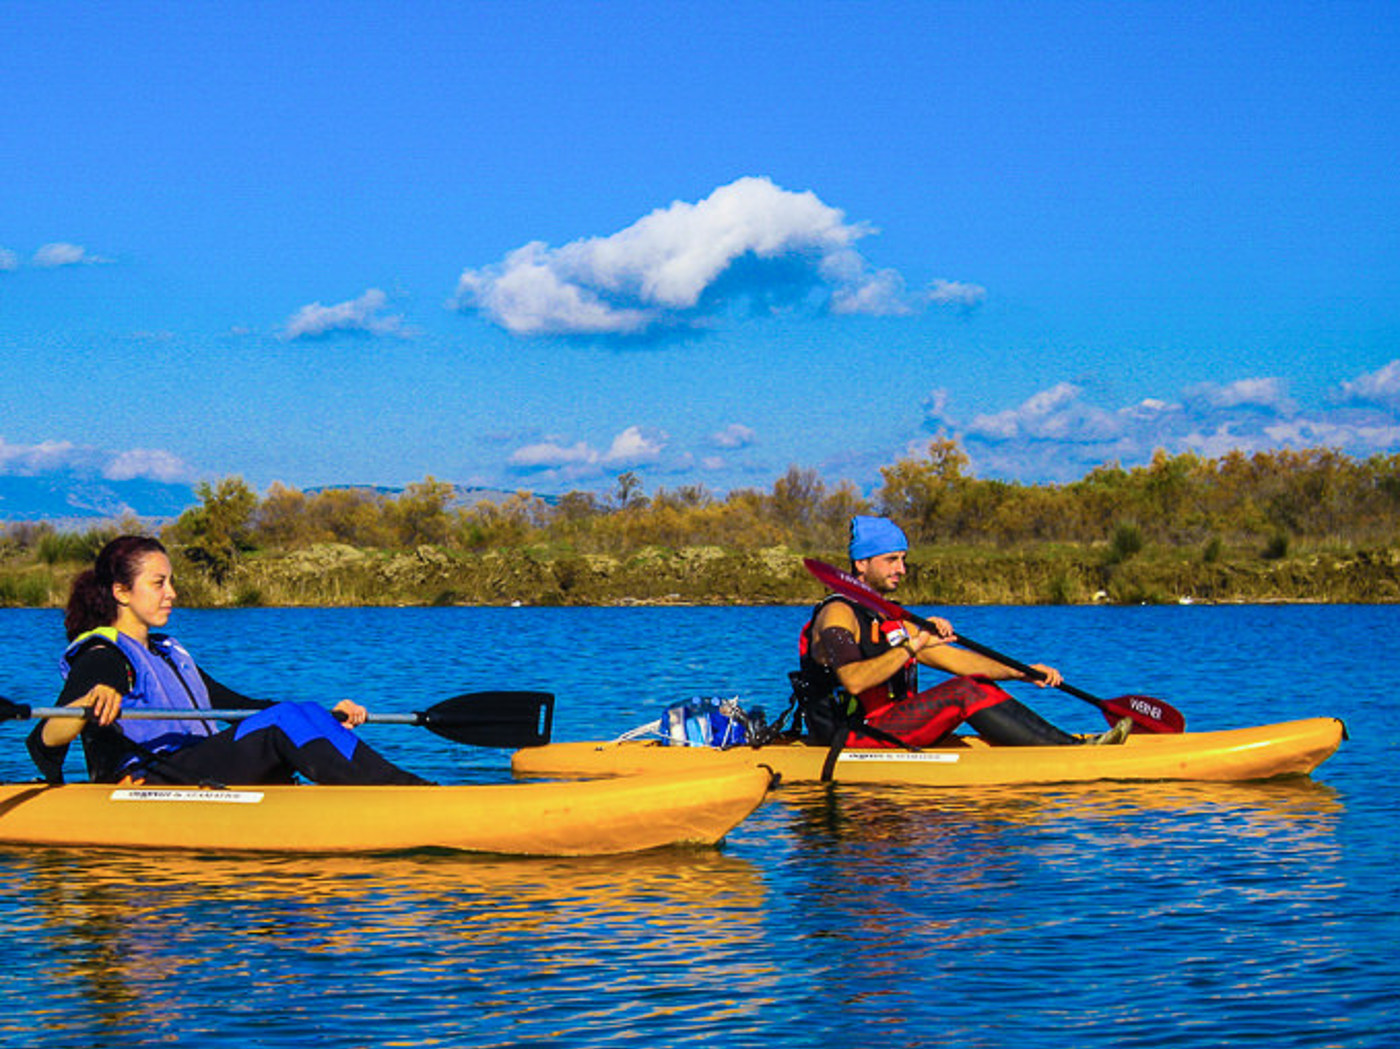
(533, 245)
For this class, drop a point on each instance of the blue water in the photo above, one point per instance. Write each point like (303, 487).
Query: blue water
(1109, 915)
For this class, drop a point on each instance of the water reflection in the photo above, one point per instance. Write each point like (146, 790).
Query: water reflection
(971, 898)
(918, 817)
(124, 944)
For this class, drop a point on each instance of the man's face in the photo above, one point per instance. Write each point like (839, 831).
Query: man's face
(883, 571)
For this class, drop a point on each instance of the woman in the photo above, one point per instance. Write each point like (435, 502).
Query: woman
(116, 660)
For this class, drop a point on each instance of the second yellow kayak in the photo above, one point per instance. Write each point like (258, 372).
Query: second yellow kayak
(1283, 749)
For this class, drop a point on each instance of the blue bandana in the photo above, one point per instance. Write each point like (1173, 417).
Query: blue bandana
(872, 536)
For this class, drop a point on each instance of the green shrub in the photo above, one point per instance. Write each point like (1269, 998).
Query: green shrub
(1125, 543)
(27, 591)
(73, 547)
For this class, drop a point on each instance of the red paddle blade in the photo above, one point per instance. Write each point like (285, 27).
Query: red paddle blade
(1148, 714)
(835, 579)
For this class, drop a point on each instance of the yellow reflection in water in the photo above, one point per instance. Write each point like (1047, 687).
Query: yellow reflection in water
(129, 928)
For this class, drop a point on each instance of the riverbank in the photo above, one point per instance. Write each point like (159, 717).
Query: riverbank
(332, 575)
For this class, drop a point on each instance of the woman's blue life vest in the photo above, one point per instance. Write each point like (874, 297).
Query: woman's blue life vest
(163, 677)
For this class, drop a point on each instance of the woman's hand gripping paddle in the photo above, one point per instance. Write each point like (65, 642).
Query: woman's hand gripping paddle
(1147, 714)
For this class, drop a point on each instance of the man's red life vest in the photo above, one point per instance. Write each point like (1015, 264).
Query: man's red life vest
(877, 636)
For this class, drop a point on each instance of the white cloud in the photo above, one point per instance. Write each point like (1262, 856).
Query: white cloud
(1268, 393)
(633, 446)
(8, 260)
(550, 454)
(149, 463)
(936, 408)
(955, 293)
(527, 295)
(1381, 387)
(735, 435)
(677, 265)
(31, 459)
(1364, 438)
(879, 295)
(356, 315)
(62, 254)
(1058, 435)
(66, 457)
(1055, 414)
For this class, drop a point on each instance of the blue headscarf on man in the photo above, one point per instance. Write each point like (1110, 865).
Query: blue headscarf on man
(873, 536)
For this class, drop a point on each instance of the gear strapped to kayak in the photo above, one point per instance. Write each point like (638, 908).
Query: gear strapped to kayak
(706, 721)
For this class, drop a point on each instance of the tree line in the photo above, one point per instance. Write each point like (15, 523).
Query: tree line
(1265, 500)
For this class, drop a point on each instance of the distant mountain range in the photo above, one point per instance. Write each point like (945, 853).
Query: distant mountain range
(69, 498)
(72, 500)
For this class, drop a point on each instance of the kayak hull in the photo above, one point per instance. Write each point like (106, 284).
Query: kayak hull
(679, 807)
(1234, 755)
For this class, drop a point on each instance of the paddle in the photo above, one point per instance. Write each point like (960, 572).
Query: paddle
(1147, 713)
(480, 719)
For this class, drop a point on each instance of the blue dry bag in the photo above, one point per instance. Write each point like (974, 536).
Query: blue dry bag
(704, 722)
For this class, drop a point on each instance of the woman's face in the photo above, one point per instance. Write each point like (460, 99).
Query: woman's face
(151, 596)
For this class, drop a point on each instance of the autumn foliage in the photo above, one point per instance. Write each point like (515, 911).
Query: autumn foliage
(1272, 497)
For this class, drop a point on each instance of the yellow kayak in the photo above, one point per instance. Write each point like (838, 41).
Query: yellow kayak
(678, 807)
(1284, 749)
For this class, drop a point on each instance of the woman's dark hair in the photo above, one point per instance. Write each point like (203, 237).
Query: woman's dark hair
(90, 603)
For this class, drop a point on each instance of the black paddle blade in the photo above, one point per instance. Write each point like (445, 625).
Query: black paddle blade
(493, 719)
(11, 711)
(1148, 714)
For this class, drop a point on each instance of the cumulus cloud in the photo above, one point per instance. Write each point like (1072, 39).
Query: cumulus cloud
(632, 447)
(1266, 393)
(955, 293)
(735, 435)
(50, 256)
(1366, 437)
(1056, 414)
(30, 459)
(58, 254)
(936, 409)
(550, 453)
(150, 463)
(880, 294)
(1059, 434)
(1381, 387)
(635, 445)
(360, 315)
(748, 241)
(55, 457)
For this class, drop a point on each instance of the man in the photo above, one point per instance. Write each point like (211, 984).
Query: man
(871, 665)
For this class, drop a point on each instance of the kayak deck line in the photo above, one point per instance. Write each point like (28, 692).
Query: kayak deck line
(681, 807)
(1230, 755)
